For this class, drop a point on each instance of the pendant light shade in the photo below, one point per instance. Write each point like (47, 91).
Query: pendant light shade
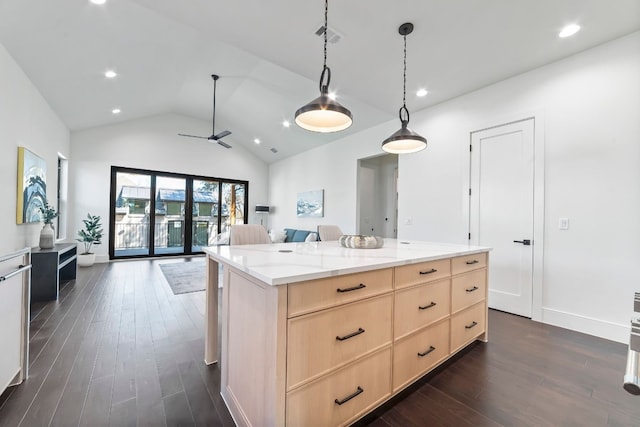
(323, 114)
(404, 140)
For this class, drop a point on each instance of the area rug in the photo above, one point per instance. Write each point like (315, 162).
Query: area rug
(185, 277)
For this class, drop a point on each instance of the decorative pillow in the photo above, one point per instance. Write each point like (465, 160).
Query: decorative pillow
(278, 236)
(290, 232)
(312, 237)
(299, 235)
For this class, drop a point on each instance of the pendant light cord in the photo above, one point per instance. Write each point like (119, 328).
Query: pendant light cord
(326, 71)
(326, 14)
(404, 75)
(404, 87)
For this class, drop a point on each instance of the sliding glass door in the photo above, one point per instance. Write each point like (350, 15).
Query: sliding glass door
(130, 214)
(157, 213)
(169, 218)
(205, 213)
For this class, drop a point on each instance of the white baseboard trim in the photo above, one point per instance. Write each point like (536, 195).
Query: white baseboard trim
(587, 325)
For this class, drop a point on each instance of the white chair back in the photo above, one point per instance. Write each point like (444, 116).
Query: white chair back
(248, 234)
(329, 232)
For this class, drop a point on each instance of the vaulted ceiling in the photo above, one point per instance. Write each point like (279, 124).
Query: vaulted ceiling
(269, 57)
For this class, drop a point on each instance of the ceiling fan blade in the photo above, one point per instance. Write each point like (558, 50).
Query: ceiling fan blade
(224, 144)
(221, 135)
(194, 136)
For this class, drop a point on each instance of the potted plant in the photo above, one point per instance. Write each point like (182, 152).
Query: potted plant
(47, 234)
(91, 235)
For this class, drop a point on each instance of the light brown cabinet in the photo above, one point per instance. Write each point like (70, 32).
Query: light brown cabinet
(467, 325)
(343, 395)
(468, 289)
(420, 306)
(328, 351)
(321, 342)
(419, 353)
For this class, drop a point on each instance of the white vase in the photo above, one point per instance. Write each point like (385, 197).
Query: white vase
(47, 237)
(86, 260)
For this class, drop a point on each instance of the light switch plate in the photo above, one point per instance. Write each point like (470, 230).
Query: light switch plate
(563, 223)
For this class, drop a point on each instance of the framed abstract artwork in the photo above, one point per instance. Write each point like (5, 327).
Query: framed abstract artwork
(310, 203)
(32, 186)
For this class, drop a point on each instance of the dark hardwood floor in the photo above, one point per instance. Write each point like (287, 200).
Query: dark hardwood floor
(118, 348)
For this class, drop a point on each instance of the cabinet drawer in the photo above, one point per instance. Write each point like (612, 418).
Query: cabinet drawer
(367, 382)
(418, 353)
(466, 263)
(315, 295)
(467, 325)
(419, 306)
(468, 289)
(414, 274)
(323, 341)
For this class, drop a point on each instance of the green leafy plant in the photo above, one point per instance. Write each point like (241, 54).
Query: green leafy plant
(48, 212)
(92, 233)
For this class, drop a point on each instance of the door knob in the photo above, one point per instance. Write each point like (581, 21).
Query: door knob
(525, 242)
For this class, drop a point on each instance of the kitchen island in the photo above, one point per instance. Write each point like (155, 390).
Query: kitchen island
(317, 334)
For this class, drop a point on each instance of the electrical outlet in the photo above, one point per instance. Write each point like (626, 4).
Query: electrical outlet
(563, 223)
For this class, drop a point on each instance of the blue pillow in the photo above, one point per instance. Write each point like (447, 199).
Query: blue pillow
(290, 233)
(300, 235)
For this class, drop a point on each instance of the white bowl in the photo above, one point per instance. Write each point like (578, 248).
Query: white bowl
(359, 241)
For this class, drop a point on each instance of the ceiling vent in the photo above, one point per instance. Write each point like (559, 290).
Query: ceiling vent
(273, 150)
(332, 35)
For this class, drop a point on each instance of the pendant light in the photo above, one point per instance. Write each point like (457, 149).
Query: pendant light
(323, 114)
(404, 140)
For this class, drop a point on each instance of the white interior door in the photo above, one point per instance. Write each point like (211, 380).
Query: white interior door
(501, 211)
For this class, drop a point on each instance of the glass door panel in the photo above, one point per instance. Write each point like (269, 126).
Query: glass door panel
(169, 218)
(233, 208)
(205, 216)
(132, 204)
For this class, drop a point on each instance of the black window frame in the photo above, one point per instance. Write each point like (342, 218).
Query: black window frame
(188, 207)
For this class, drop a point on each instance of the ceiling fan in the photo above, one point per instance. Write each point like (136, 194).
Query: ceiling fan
(214, 137)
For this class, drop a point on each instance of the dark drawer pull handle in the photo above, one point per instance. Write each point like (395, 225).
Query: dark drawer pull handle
(355, 288)
(424, 307)
(471, 325)
(351, 335)
(475, 261)
(351, 396)
(431, 348)
(433, 270)
(475, 288)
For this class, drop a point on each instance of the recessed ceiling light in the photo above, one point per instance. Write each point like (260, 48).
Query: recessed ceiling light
(286, 123)
(98, 1)
(110, 74)
(569, 30)
(422, 92)
(332, 96)
(257, 141)
(116, 111)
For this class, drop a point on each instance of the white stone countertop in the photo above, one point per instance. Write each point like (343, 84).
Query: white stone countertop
(281, 263)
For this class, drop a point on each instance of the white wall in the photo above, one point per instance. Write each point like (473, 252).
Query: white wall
(590, 107)
(25, 120)
(152, 143)
(332, 167)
